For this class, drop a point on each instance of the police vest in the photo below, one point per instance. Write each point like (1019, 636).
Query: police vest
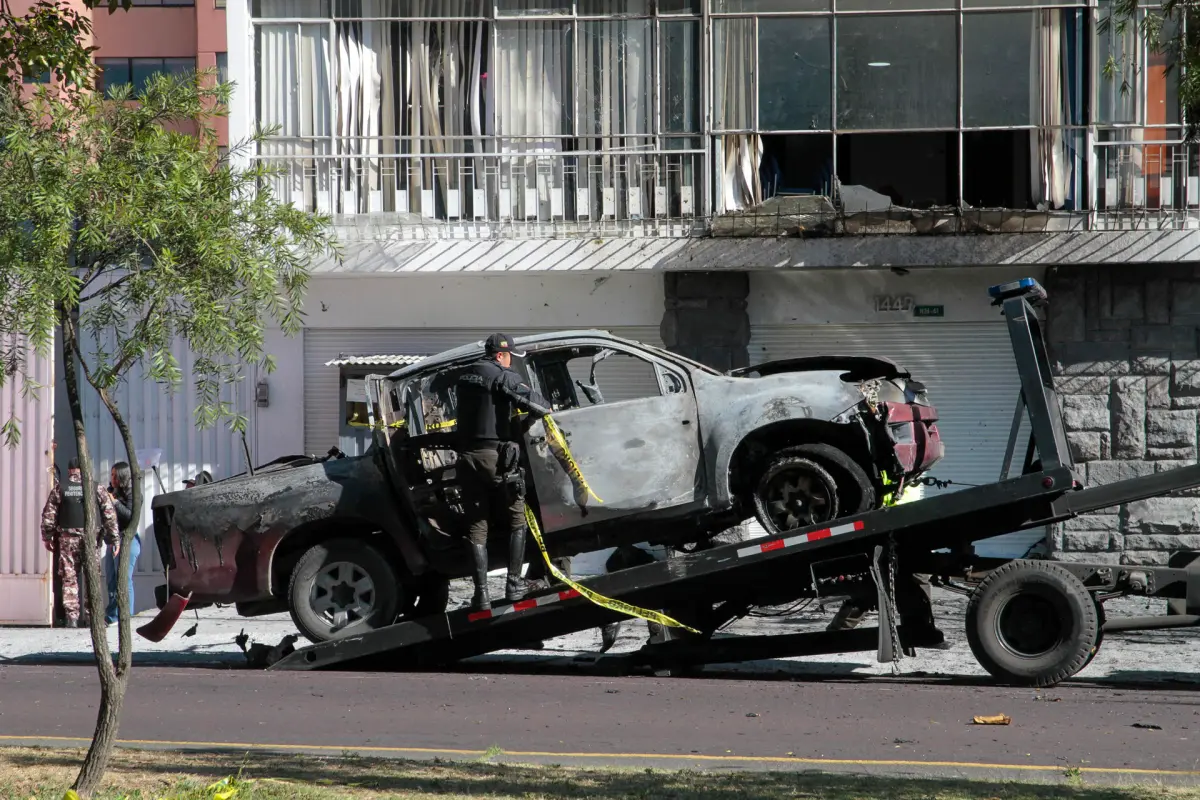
(70, 509)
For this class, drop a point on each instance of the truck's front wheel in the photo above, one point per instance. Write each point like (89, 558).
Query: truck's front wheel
(342, 587)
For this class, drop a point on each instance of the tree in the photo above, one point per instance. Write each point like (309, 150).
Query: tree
(121, 224)
(1172, 29)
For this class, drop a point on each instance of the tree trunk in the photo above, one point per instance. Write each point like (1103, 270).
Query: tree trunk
(112, 686)
(124, 612)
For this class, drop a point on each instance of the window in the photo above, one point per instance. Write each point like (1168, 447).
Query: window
(997, 50)
(116, 72)
(680, 76)
(42, 77)
(794, 74)
(223, 67)
(733, 74)
(884, 81)
(913, 170)
(164, 2)
(582, 377)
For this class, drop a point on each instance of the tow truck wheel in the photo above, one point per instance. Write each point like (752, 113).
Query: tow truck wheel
(1032, 623)
(342, 587)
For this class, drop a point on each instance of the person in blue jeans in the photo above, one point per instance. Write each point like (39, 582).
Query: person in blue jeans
(120, 488)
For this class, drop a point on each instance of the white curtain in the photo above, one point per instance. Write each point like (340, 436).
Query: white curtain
(741, 154)
(1049, 161)
(293, 82)
(615, 74)
(533, 106)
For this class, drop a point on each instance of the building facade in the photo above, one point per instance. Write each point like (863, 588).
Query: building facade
(738, 180)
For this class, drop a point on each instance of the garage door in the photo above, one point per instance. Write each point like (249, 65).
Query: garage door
(972, 379)
(321, 387)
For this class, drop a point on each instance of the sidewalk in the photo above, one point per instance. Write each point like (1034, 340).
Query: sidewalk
(1149, 656)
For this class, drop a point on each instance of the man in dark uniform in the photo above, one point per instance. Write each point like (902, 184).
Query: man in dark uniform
(489, 394)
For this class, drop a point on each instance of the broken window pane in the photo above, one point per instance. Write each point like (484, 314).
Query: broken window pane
(897, 71)
(996, 68)
(794, 74)
(797, 164)
(681, 76)
(913, 170)
(996, 169)
(733, 71)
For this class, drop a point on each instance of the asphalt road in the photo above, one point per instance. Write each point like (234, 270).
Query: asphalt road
(866, 726)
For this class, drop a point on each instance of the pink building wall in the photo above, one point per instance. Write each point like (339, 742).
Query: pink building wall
(164, 32)
(25, 580)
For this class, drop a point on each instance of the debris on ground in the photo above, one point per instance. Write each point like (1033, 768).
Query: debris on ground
(261, 656)
(996, 719)
(1149, 726)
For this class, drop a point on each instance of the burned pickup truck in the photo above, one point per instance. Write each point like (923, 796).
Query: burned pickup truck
(676, 453)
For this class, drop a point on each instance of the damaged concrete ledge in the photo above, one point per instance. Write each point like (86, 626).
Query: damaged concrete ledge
(375, 251)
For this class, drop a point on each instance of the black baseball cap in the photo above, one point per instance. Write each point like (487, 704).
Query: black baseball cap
(500, 343)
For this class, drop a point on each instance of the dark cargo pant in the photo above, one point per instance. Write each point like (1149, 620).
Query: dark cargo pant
(484, 499)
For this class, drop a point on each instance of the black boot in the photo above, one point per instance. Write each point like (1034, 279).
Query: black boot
(479, 555)
(516, 587)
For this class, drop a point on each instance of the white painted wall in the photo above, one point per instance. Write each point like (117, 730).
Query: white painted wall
(848, 296)
(278, 429)
(523, 300)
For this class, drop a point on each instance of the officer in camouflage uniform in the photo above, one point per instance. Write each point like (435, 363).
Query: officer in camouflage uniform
(62, 521)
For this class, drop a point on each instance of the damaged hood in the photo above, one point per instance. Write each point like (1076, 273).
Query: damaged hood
(856, 368)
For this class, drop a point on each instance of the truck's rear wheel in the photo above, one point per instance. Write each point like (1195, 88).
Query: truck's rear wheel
(342, 587)
(1032, 623)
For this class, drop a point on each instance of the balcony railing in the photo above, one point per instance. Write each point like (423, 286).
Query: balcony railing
(1147, 184)
(657, 192)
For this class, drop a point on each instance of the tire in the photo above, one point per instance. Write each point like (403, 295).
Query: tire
(856, 493)
(343, 587)
(794, 492)
(1032, 623)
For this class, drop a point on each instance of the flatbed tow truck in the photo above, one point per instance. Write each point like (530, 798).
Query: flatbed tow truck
(1029, 622)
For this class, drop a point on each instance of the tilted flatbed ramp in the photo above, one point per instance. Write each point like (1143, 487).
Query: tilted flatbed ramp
(707, 589)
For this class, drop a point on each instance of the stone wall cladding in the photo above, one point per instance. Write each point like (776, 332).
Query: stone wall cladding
(1125, 345)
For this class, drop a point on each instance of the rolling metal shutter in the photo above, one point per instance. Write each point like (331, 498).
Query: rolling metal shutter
(322, 389)
(972, 380)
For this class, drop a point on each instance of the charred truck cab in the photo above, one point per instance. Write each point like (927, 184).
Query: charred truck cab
(677, 452)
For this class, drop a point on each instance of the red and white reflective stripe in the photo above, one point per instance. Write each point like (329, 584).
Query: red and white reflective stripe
(792, 541)
(523, 605)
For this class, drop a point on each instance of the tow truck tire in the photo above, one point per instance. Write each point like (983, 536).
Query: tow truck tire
(347, 577)
(1032, 623)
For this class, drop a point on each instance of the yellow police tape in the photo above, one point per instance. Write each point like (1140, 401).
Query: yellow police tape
(596, 597)
(562, 453)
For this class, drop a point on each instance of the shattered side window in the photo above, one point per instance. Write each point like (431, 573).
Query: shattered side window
(582, 377)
